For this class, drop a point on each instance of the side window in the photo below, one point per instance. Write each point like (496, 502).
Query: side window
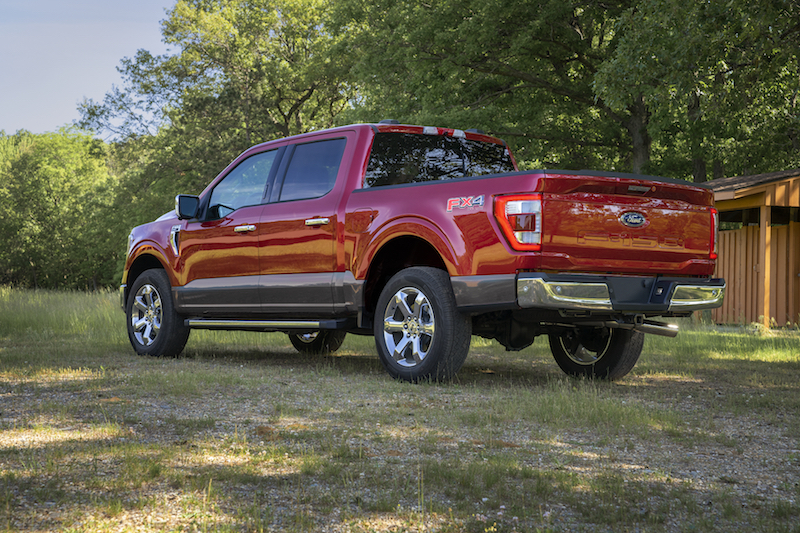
(400, 158)
(312, 170)
(244, 185)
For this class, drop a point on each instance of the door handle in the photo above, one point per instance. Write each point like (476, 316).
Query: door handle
(318, 221)
(245, 228)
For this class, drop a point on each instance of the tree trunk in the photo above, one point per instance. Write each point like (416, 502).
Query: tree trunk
(718, 170)
(640, 138)
(696, 138)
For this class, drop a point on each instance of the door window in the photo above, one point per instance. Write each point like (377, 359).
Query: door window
(245, 185)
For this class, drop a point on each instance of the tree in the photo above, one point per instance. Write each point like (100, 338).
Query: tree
(523, 70)
(721, 79)
(245, 71)
(53, 186)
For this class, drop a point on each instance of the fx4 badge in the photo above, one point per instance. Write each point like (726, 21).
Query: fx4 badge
(464, 202)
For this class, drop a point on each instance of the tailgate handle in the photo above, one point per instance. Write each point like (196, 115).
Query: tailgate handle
(245, 228)
(318, 221)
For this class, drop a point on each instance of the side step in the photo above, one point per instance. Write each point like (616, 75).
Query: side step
(268, 325)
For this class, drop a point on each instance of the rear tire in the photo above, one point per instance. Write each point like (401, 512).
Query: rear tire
(419, 333)
(154, 327)
(319, 342)
(602, 353)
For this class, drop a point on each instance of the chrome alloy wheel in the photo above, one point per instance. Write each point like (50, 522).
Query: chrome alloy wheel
(586, 348)
(308, 338)
(408, 327)
(147, 314)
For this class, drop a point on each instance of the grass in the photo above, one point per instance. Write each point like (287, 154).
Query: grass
(244, 434)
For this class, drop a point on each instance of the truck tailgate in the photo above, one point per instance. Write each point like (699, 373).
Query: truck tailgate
(625, 225)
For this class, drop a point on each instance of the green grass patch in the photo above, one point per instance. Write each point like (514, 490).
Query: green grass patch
(244, 434)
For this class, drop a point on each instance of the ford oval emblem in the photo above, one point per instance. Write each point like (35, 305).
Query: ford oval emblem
(633, 219)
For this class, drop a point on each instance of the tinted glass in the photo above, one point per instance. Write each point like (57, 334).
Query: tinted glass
(244, 185)
(399, 158)
(313, 169)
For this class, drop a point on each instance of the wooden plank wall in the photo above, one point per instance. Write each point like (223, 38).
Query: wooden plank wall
(739, 264)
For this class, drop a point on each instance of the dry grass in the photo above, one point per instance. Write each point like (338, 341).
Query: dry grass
(242, 434)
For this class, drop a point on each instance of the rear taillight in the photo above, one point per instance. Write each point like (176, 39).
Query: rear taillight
(520, 218)
(714, 233)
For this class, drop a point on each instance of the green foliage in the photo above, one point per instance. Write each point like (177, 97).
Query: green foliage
(53, 188)
(245, 71)
(691, 91)
(720, 79)
(522, 70)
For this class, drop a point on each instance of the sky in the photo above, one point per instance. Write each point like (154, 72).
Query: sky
(55, 53)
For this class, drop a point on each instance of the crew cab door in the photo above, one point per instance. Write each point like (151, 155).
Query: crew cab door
(297, 242)
(219, 249)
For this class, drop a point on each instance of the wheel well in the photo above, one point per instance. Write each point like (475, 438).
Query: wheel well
(399, 253)
(142, 263)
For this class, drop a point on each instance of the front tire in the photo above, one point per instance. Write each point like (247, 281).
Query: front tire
(602, 353)
(419, 333)
(154, 327)
(319, 342)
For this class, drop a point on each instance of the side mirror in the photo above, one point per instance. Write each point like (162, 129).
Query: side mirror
(186, 206)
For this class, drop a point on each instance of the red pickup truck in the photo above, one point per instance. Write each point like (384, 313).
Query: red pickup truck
(423, 237)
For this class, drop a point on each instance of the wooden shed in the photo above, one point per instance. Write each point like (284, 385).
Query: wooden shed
(759, 247)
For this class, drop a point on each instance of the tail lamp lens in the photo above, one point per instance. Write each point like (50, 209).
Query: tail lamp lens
(520, 217)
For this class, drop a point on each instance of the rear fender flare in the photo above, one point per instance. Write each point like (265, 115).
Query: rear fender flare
(409, 227)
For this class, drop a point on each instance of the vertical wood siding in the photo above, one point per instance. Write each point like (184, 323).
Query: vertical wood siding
(739, 264)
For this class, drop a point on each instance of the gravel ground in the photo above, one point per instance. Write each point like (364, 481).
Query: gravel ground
(246, 461)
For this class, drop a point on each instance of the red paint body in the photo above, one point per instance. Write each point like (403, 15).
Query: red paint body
(581, 229)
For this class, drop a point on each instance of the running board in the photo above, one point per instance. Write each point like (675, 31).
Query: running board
(266, 325)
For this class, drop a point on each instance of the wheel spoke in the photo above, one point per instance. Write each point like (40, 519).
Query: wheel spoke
(400, 349)
(390, 325)
(139, 304)
(400, 302)
(420, 302)
(416, 351)
(148, 333)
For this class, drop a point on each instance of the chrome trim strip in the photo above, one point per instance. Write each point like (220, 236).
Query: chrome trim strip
(174, 236)
(696, 297)
(208, 323)
(536, 292)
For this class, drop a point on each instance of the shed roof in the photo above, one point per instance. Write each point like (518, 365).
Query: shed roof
(776, 189)
(736, 183)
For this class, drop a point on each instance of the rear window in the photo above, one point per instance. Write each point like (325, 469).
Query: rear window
(400, 158)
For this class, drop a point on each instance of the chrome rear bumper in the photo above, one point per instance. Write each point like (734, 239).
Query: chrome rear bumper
(627, 294)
